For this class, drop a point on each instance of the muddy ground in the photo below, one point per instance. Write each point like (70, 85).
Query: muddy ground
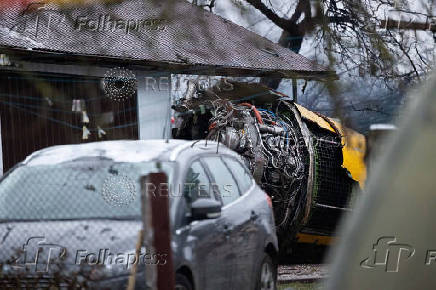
(304, 269)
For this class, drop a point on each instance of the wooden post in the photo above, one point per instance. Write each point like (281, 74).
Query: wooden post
(294, 90)
(147, 227)
(161, 228)
(404, 25)
(132, 278)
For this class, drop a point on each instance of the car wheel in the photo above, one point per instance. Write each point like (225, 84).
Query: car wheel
(183, 283)
(267, 275)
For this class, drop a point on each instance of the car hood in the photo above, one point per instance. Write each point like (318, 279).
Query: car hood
(43, 245)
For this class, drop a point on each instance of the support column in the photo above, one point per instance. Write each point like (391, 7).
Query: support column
(154, 105)
(1, 148)
(294, 90)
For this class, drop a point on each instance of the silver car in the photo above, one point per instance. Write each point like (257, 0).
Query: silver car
(82, 203)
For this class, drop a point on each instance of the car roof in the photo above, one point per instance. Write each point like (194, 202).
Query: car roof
(118, 151)
(125, 151)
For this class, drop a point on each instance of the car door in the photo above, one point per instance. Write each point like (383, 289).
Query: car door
(248, 239)
(235, 218)
(208, 245)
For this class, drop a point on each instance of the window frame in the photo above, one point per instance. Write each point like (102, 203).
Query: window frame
(218, 194)
(198, 159)
(242, 193)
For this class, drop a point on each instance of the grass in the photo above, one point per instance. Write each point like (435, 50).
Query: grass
(299, 286)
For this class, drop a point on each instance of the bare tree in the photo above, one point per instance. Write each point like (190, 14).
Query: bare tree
(390, 39)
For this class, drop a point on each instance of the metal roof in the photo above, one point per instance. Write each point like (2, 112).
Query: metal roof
(173, 34)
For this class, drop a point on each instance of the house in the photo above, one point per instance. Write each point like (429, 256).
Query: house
(102, 70)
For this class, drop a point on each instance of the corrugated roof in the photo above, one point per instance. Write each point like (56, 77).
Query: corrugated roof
(185, 35)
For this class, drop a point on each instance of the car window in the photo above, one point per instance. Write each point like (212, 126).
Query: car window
(197, 184)
(224, 181)
(85, 188)
(243, 177)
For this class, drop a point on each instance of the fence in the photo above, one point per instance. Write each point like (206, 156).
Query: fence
(39, 110)
(82, 224)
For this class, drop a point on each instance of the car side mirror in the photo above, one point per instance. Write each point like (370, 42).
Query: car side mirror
(205, 208)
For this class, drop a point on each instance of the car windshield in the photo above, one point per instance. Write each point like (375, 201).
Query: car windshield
(82, 189)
